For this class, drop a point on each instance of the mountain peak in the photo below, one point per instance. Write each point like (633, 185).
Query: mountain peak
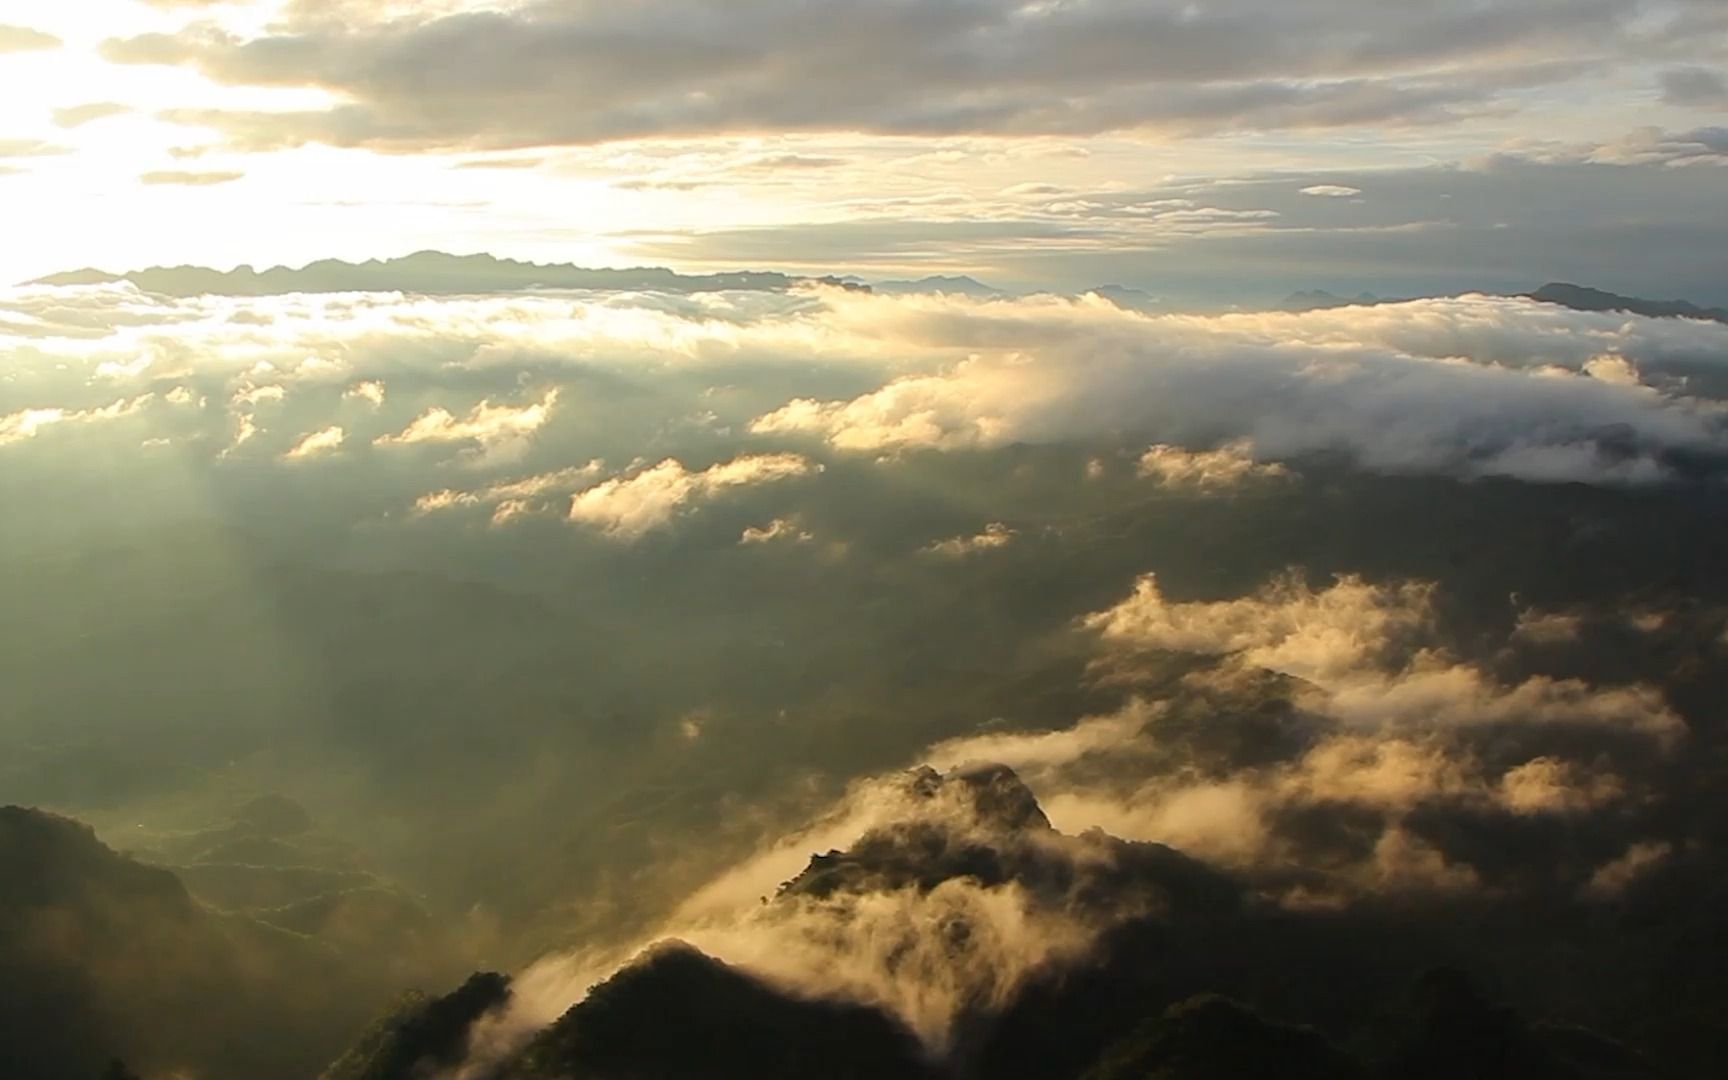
(1585, 298)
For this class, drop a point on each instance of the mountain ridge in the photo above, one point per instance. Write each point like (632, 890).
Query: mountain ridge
(427, 271)
(1584, 298)
(442, 273)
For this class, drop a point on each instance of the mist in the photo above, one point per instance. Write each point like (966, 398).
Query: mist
(901, 650)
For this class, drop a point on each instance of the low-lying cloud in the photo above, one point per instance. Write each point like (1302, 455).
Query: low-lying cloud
(1473, 386)
(628, 507)
(1397, 388)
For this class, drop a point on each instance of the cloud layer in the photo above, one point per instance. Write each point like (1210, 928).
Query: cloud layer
(680, 67)
(1470, 386)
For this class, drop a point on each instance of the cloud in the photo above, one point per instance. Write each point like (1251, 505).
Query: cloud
(29, 148)
(182, 178)
(1692, 86)
(512, 499)
(491, 432)
(629, 507)
(1613, 878)
(317, 444)
(865, 918)
(370, 391)
(1332, 191)
(1036, 754)
(29, 423)
(1379, 385)
(682, 67)
(1549, 785)
(1217, 772)
(1227, 467)
(1547, 627)
(886, 948)
(1660, 147)
(1362, 644)
(775, 162)
(1336, 741)
(1253, 237)
(1468, 386)
(502, 163)
(780, 529)
(1390, 722)
(78, 115)
(883, 937)
(252, 396)
(25, 39)
(995, 536)
(1322, 637)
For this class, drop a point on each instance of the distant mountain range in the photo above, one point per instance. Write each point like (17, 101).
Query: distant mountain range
(1132, 299)
(1581, 298)
(433, 272)
(959, 285)
(440, 273)
(1321, 300)
(1576, 297)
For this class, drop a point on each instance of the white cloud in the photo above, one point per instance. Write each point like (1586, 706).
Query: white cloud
(1332, 191)
(28, 423)
(1323, 637)
(514, 498)
(1034, 754)
(1465, 386)
(253, 396)
(1367, 648)
(629, 507)
(1229, 466)
(369, 390)
(318, 444)
(494, 433)
(1471, 385)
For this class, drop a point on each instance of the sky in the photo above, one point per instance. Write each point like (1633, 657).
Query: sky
(1233, 150)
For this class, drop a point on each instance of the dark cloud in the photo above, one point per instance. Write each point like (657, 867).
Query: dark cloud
(1508, 222)
(1694, 86)
(546, 73)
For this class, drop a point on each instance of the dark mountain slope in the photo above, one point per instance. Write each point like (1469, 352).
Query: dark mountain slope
(103, 957)
(676, 1014)
(1583, 298)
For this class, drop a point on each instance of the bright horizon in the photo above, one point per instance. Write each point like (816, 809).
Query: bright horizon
(292, 131)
